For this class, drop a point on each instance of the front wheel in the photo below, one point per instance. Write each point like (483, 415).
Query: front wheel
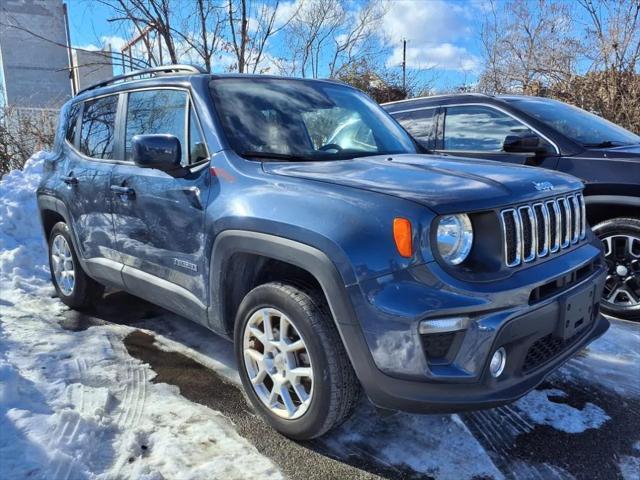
(621, 240)
(292, 363)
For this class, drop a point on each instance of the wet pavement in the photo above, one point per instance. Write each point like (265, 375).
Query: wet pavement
(582, 422)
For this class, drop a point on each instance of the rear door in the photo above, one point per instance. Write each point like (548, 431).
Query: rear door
(90, 151)
(159, 217)
(479, 131)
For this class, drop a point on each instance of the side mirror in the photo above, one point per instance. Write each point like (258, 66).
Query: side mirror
(156, 151)
(528, 143)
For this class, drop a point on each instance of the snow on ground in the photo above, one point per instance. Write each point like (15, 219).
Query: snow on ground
(75, 404)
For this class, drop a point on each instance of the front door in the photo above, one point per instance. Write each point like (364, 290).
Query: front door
(159, 217)
(479, 131)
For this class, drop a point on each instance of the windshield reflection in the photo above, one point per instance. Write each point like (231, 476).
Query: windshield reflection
(288, 119)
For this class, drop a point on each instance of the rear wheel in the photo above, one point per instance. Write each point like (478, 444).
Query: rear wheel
(292, 363)
(621, 240)
(74, 287)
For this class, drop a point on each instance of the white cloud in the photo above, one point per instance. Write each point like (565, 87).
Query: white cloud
(116, 41)
(434, 30)
(445, 56)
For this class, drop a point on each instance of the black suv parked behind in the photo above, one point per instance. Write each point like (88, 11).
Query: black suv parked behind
(551, 134)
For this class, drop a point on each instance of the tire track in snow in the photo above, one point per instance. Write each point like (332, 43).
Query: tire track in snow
(134, 398)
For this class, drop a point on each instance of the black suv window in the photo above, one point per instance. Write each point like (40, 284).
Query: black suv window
(157, 112)
(72, 123)
(98, 127)
(480, 129)
(419, 124)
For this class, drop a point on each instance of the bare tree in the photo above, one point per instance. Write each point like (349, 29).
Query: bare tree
(24, 131)
(251, 26)
(528, 44)
(202, 31)
(324, 37)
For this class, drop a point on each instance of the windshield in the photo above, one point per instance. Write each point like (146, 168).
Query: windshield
(583, 127)
(304, 120)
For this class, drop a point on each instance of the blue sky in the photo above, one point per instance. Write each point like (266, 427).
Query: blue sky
(443, 42)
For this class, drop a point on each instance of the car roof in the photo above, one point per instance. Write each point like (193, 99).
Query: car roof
(175, 75)
(458, 97)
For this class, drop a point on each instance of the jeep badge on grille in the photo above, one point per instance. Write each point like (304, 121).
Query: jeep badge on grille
(543, 186)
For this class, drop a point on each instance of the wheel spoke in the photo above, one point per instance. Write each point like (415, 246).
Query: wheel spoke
(273, 395)
(259, 378)
(294, 346)
(287, 400)
(255, 355)
(256, 333)
(301, 393)
(284, 326)
(301, 372)
(266, 324)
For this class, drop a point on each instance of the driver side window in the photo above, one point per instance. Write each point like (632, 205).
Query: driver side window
(479, 129)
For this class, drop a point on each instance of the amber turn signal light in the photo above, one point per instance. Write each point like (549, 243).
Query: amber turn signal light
(402, 236)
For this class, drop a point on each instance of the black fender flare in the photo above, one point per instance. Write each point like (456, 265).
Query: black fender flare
(314, 261)
(49, 202)
(309, 258)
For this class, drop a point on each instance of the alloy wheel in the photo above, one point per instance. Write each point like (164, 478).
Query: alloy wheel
(63, 266)
(622, 286)
(278, 363)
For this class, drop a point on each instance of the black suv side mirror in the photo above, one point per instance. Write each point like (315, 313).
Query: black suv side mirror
(156, 151)
(527, 143)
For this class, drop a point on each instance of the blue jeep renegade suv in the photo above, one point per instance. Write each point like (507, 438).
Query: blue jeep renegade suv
(433, 284)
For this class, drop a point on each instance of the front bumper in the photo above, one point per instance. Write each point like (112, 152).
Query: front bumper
(390, 359)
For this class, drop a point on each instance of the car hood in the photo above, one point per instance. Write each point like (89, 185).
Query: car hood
(444, 184)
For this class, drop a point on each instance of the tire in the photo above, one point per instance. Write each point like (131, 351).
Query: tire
(332, 391)
(83, 291)
(621, 240)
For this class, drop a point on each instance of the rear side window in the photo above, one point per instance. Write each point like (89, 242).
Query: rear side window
(157, 112)
(419, 124)
(72, 123)
(98, 127)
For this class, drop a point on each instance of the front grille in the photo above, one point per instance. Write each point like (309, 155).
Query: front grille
(547, 348)
(534, 231)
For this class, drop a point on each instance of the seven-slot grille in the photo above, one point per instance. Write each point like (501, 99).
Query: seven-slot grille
(536, 230)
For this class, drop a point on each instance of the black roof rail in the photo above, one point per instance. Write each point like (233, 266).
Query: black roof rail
(153, 71)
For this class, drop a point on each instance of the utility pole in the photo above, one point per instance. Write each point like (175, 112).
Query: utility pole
(404, 65)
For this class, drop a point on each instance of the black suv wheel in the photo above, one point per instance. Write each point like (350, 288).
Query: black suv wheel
(74, 287)
(621, 239)
(292, 363)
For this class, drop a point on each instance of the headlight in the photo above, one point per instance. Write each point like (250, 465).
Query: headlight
(454, 238)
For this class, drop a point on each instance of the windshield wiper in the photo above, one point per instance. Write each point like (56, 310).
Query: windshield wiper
(605, 144)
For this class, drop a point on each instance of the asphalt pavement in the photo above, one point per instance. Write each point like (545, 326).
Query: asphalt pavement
(582, 422)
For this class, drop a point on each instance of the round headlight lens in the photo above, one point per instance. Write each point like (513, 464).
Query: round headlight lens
(454, 238)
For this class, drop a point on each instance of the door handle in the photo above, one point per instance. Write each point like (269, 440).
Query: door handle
(69, 180)
(127, 191)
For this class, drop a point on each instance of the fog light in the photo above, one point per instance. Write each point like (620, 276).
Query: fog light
(498, 361)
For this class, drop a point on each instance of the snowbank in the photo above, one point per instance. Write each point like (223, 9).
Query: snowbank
(75, 405)
(22, 247)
